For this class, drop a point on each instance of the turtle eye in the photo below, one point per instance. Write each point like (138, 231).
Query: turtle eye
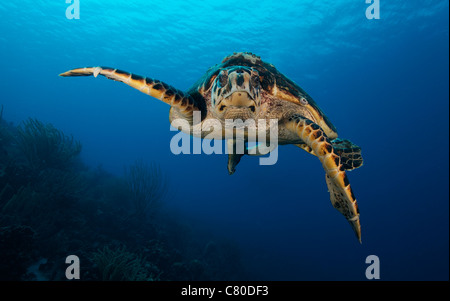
(303, 101)
(254, 80)
(223, 78)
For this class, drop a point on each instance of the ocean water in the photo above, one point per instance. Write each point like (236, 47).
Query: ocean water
(382, 82)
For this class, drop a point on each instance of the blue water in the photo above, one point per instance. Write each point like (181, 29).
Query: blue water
(383, 83)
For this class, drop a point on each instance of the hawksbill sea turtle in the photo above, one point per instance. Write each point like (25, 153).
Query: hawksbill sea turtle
(244, 87)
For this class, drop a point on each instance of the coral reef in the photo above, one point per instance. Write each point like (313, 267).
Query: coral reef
(16, 249)
(119, 264)
(147, 186)
(52, 206)
(45, 146)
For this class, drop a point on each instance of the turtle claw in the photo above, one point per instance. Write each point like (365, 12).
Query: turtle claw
(97, 71)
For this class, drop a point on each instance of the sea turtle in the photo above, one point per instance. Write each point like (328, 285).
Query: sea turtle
(244, 87)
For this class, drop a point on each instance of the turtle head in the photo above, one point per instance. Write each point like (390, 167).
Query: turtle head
(235, 93)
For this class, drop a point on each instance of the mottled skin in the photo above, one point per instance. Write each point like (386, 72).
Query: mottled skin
(243, 87)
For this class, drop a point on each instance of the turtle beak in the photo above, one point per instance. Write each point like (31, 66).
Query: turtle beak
(239, 99)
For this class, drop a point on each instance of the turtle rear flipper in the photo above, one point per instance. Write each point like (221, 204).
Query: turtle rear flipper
(260, 149)
(182, 102)
(234, 155)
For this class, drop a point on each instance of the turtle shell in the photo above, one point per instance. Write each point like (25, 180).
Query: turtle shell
(272, 81)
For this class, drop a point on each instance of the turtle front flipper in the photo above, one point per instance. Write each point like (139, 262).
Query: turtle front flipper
(341, 194)
(350, 153)
(306, 148)
(183, 103)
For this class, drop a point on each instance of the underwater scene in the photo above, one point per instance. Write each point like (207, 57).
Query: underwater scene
(224, 140)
